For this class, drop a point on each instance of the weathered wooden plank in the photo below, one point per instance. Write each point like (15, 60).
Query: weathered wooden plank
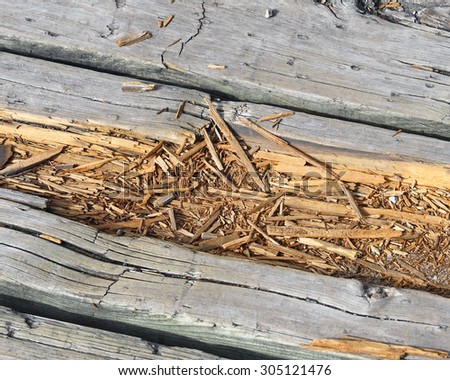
(61, 95)
(311, 61)
(50, 93)
(192, 298)
(26, 336)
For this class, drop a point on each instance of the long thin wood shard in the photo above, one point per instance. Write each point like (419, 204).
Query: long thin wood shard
(133, 38)
(235, 144)
(211, 149)
(309, 159)
(330, 247)
(298, 231)
(30, 162)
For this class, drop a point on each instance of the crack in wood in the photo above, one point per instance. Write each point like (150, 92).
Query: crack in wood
(199, 28)
(192, 276)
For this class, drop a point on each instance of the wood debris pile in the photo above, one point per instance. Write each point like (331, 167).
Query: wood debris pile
(222, 196)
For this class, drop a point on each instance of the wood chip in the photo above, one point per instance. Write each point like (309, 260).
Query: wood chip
(216, 67)
(165, 199)
(165, 22)
(211, 149)
(215, 214)
(173, 221)
(91, 165)
(214, 243)
(180, 109)
(303, 256)
(137, 87)
(275, 116)
(236, 243)
(50, 238)
(133, 38)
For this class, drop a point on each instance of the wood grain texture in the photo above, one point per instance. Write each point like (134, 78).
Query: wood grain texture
(25, 336)
(220, 305)
(304, 58)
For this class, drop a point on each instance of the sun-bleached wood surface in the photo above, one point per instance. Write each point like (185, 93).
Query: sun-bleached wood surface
(346, 65)
(352, 72)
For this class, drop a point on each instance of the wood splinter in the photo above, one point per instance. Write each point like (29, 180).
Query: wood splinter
(235, 144)
(133, 38)
(137, 87)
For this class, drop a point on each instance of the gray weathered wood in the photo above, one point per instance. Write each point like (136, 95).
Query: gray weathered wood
(216, 304)
(26, 336)
(28, 199)
(303, 58)
(37, 90)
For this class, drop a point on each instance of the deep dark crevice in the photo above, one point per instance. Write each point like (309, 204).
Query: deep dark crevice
(199, 28)
(152, 336)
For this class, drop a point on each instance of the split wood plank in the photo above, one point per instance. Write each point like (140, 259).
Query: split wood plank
(100, 102)
(326, 67)
(222, 125)
(26, 336)
(122, 300)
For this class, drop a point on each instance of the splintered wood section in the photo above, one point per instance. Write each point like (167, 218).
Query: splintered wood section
(165, 291)
(327, 66)
(25, 336)
(128, 184)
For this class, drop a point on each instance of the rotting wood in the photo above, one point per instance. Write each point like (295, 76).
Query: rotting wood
(77, 107)
(129, 191)
(307, 158)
